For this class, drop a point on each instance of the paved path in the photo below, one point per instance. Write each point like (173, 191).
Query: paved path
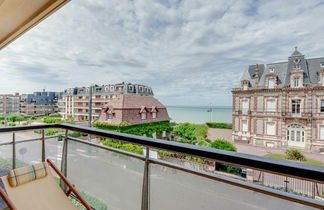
(217, 133)
(262, 151)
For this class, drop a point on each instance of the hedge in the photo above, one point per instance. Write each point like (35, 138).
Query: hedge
(223, 145)
(219, 125)
(141, 129)
(52, 120)
(123, 146)
(190, 133)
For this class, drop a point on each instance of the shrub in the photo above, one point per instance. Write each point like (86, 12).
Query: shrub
(11, 124)
(51, 120)
(219, 125)
(123, 146)
(56, 115)
(294, 154)
(74, 134)
(203, 143)
(50, 132)
(223, 145)
(141, 129)
(164, 153)
(190, 132)
(15, 118)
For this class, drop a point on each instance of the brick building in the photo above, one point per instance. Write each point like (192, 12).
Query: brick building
(134, 109)
(281, 104)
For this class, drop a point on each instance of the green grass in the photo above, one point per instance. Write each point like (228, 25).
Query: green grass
(308, 160)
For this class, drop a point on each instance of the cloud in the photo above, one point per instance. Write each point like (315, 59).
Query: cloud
(189, 51)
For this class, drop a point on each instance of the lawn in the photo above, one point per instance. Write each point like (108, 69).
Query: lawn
(308, 160)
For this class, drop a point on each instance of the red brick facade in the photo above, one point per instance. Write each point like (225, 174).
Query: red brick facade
(307, 124)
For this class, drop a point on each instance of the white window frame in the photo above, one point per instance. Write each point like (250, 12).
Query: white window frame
(270, 132)
(244, 125)
(271, 108)
(321, 104)
(296, 82)
(154, 115)
(143, 115)
(271, 82)
(245, 109)
(321, 132)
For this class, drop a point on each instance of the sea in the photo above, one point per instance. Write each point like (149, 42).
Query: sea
(200, 114)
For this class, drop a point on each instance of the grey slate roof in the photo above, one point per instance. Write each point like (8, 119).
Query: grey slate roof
(282, 69)
(41, 97)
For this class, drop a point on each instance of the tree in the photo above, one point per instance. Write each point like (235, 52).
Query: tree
(223, 145)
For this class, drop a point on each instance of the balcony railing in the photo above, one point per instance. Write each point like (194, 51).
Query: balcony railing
(124, 180)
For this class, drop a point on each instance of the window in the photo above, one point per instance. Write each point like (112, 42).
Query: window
(245, 86)
(143, 115)
(322, 65)
(295, 106)
(296, 82)
(244, 125)
(297, 66)
(245, 106)
(271, 69)
(322, 105)
(154, 115)
(323, 80)
(270, 128)
(321, 135)
(270, 105)
(271, 83)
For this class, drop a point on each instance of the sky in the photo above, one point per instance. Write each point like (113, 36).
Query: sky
(191, 52)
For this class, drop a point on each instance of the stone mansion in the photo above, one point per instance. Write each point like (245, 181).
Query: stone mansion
(281, 104)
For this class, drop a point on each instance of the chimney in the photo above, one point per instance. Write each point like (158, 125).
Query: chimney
(257, 73)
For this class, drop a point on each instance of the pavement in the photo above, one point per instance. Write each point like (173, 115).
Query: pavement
(217, 133)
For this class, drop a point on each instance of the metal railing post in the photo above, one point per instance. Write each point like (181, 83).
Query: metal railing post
(13, 150)
(64, 159)
(145, 189)
(43, 145)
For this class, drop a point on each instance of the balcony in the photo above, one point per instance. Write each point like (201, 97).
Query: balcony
(124, 180)
(303, 115)
(94, 114)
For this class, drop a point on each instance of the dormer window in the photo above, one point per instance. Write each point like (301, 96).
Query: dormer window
(271, 82)
(296, 82)
(297, 66)
(271, 69)
(322, 65)
(143, 115)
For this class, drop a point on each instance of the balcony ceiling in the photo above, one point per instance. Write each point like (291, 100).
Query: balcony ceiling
(18, 16)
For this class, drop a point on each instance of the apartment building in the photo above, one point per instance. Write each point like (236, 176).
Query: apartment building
(281, 104)
(9, 103)
(75, 102)
(39, 103)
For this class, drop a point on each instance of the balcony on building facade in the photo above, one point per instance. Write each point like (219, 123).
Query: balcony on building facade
(94, 114)
(124, 180)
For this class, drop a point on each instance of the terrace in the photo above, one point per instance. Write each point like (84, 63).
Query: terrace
(123, 180)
